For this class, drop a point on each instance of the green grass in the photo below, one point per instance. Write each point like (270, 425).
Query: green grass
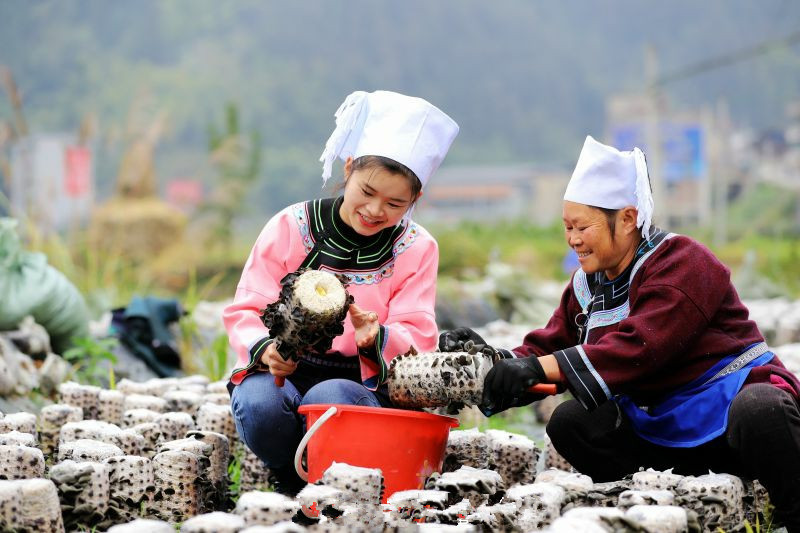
(235, 476)
(87, 357)
(466, 250)
(104, 276)
(518, 420)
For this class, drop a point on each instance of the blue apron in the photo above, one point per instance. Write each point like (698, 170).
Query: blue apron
(697, 412)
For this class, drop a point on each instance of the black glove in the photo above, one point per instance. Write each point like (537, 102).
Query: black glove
(453, 340)
(507, 382)
(466, 340)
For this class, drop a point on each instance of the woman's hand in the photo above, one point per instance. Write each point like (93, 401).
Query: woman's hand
(454, 339)
(508, 379)
(275, 363)
(366, 325)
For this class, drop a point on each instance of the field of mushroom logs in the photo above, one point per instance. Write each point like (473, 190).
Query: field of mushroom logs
(153, 456)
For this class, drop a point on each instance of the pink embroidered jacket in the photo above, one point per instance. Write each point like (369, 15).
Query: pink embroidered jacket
(392, 273)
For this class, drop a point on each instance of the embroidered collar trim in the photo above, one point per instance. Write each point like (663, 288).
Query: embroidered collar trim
(605, 302)
(334, 246)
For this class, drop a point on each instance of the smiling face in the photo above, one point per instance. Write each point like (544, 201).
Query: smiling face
(374, 199)
(589, 233)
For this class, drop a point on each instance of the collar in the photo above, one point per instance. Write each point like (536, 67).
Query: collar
(339, 228)
(610, 294)
(338, 247)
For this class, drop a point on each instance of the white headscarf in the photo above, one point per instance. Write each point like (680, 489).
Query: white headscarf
(403, 128)
(605, 177)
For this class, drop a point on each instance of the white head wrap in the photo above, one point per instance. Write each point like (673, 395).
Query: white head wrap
(406, 129)
(605, 177)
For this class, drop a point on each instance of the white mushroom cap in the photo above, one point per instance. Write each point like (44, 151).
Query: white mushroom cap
(319, 292)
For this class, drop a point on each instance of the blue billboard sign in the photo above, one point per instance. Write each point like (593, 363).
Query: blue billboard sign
(683, 149)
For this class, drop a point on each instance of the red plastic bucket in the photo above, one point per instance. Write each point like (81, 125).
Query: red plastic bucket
(408, 446)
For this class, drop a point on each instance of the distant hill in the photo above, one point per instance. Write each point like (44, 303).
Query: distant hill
(526, 80)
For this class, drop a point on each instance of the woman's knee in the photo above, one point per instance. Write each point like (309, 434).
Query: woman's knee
(257, 403)
(340, 391)
(566, 421)
(759, 409)
(258, 394)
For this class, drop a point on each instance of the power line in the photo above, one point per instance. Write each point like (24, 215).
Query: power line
(721, 61)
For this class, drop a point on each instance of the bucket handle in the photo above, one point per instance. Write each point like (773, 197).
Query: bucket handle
(298, 455)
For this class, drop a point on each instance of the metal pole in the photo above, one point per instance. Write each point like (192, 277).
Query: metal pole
(721, 168)
(653, 138)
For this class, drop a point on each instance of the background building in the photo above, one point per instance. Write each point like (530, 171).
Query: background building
(486, 193)
(52, 181)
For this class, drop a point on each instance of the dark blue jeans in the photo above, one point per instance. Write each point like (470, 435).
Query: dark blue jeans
(266, 415)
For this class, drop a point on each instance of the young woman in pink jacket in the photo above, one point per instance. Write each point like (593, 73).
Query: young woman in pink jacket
(391, 144)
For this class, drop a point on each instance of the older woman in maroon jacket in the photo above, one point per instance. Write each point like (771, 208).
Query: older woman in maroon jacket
(653, 342)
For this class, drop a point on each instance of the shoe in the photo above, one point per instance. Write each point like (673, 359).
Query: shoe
(285, 481)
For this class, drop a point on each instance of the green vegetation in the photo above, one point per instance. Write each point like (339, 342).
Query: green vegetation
(774, 259)
(465, 250)
(765, 256)
(236, 158)
(758, 527)
(105, 277)
(214, 359)
(521, 421)
(198, 355)
(235, 476)
(87, 358)
(766, 510)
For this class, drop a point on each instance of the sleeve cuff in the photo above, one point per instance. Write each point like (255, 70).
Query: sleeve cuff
(582, 379)
(375, 354)
(256, 351)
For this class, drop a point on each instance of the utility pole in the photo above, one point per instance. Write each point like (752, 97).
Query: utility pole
(11, 132)
(792, 136)
(653, 136)
(720, 169)
(704, 177)
(15, 99)
(722, 147)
